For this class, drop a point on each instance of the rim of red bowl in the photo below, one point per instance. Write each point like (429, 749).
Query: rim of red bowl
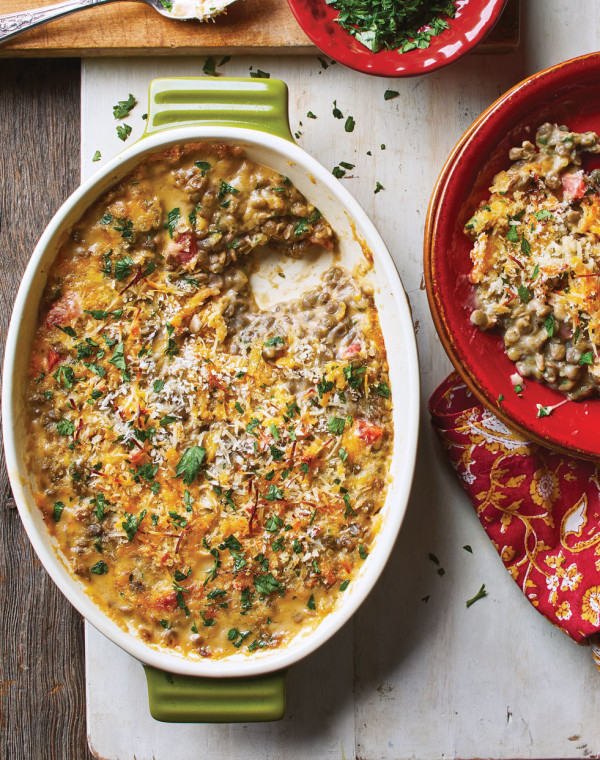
(547, 430)
(471, 24)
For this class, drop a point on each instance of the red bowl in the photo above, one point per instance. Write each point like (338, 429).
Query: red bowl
(474, 20)
(568, 93)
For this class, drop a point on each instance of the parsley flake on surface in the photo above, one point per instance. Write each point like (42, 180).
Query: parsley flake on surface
(97, 156)
(350, 124)
(378, 188)
(389, 94)
(209, 67)
(258, 74)
(123, 131)
(123, 107)
(479, 595)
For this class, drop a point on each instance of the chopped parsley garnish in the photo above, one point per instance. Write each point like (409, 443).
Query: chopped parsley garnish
(276, 453)
(123, 107)
(97, 156)
(172, 219)
(479, 595)
(57, 510)
(383, 389)
(209, 67)
(131, 523)
(158, 386)
(362, 552)
(204, 167)
(549, 324)
(267, 584)
(524, 293)
(310, 115)
(586, 358)
(123, 267)
(512, 234)
(272, 494)
(336, 111)
(118, 357)
(65, 376)
(311, 602)
(258, 74)
(336, 425)
(354, 375)
(167, 420)
(123, 131)
(324, 386)
(543, 214)
(190, 463)
(65, 427)
(378, 188)
(350, 124)
(525, 247)
(543, 411)
(100, 568)
(225, 188)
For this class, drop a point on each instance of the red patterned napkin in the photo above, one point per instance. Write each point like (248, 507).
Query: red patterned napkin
(540, 509)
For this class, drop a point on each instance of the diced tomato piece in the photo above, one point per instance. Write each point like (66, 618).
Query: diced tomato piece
(351, 350)
(53, 359)
(368, 431)
(183, 249)
(573, 184)
(327, 243)
(65, 310)
(167, 602)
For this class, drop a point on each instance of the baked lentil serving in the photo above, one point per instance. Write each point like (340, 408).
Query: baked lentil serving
(536, 261)
(211, 472)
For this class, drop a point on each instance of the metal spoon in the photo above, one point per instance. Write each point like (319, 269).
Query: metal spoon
(13, 24)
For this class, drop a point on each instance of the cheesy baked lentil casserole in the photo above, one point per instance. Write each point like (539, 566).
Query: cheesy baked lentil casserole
(536, 261)
(213, 473)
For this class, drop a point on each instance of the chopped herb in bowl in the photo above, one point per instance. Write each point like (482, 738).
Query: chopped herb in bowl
(401, 25)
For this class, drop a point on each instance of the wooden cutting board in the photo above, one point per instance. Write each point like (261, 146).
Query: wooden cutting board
(250, 26)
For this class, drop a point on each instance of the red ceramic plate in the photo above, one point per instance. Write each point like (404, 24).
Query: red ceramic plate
(568, 93)
(474, 20)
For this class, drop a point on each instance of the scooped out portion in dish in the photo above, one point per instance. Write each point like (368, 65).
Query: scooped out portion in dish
(536, 261)
(212, 472)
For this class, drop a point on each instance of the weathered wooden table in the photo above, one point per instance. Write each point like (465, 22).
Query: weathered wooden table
(406, 678)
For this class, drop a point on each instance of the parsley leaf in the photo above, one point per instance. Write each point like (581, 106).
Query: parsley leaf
(123, 268)
(57, 510)
(267, 584)
(100, 568)
(131, 523)
(190, 463)
(123, 107)
(123, 131)
(172, 219)
(65, 427)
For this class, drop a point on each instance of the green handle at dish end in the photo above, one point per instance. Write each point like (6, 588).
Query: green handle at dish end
(260, 104)
(190, 699)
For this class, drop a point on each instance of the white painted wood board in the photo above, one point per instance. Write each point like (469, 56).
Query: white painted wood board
(406, 678)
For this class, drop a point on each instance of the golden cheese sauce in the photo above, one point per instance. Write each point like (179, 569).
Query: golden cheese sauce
(211, 472)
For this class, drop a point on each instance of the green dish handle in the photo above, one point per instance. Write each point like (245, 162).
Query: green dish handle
(190, 699)
(260, 104)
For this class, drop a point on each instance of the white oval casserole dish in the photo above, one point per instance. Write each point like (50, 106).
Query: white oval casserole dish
(356, 234)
